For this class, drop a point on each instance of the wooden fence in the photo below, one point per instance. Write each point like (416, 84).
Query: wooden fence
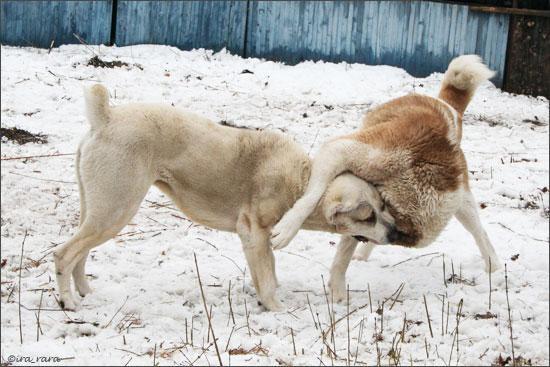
(419, 36)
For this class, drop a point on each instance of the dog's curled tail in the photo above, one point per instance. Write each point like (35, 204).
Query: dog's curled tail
(97, 105)
(463, 76)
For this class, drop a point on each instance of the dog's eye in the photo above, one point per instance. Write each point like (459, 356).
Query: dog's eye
(371, 219)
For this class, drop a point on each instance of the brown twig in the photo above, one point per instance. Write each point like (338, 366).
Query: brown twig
(311, 312)
(331, 321)
(36, 156)
(403, 331)
(231, 314)
(206, 311)
(246, 314)
(458, 314)
(444, 279)
(426, 346)
(415, 258)
(382, 317)
(399, 293)
(347, 322)
(38, 327)
(19, 296)
(359, 336)
(116, 313)
(333, 325)
(428, 315)
(448, 311)
(84, 43)
(442, 314)
(229, 339)
(42, 179)
(509, 314)
(293, 343)
(370, 299)
(490, 285)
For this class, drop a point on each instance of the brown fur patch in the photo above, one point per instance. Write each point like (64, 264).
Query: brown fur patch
(415, 124)
(457, 98)
(417, 127)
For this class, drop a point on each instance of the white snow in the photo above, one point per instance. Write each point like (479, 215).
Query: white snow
(145, 286)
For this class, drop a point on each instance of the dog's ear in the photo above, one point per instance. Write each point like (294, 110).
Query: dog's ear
(337, 207)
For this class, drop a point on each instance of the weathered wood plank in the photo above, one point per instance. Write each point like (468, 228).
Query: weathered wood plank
(37, 23)
(185, 24)
(420, 36)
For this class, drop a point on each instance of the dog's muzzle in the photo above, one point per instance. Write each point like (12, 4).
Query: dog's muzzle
(395, 236)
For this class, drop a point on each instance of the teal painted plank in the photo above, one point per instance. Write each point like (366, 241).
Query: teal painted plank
(37, 23)
(419, 36)
(185, 24)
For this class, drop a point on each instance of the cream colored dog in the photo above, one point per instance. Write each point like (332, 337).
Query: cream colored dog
(227, 178)
(409, 148)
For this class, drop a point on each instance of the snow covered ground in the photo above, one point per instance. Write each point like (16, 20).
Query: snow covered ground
(147, 308)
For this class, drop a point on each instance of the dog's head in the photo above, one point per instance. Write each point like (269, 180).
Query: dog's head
(356, 209)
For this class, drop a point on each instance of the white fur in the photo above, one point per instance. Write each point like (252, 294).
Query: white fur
(467, 72)
(453, 122)
(227, 178)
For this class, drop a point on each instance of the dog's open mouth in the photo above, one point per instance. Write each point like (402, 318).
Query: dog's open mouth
(365, 239)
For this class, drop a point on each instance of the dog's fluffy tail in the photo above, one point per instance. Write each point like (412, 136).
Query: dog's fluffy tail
(463, 76)
(97, 106)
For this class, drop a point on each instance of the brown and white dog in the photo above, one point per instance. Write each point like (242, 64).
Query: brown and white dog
(409, 148)
(230, 179)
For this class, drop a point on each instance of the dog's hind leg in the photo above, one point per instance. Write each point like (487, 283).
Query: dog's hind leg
(79, 276)
(261, 261)
(111, 199)
(79, 273)
(468, 216)
(95, 230)
(337, 282)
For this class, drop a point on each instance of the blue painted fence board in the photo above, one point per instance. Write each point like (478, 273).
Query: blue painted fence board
(37, 23)
(187, 25)
(419, 36)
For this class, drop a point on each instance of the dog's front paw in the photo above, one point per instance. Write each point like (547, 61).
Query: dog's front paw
(493, 266)
(359, 257)
(284, 232)
(338, 290)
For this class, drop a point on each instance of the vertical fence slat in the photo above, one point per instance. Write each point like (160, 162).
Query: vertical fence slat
(185, 24)
(419, 36)
(422, 37)
(37, 23)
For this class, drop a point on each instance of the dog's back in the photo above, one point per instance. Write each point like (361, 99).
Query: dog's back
(420, 137)
(211, 171)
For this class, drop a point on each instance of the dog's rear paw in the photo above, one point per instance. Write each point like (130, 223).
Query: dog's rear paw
(84, 289)
(273, 305)
(68, 303)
